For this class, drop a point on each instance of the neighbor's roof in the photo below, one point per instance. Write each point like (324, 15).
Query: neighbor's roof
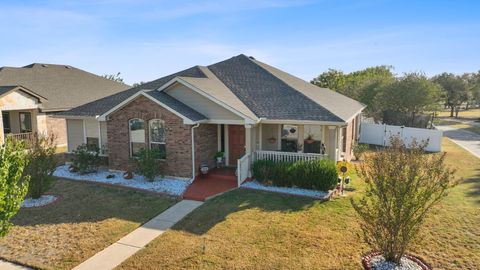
(7, 88)
(251, 87)
(64, 87)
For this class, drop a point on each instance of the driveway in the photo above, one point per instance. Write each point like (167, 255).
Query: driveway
(466, 139)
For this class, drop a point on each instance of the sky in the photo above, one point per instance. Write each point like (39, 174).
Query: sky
(147, 39)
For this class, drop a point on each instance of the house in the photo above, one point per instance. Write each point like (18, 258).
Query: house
(31, 95)
(241, 106)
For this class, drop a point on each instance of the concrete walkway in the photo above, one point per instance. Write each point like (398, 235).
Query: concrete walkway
(11, 266)
(118, 252)
(470, 141)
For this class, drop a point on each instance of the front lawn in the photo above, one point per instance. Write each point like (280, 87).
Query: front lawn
(87, 219)
(246, 229)
(469, 114)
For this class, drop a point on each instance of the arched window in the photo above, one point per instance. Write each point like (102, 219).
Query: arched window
(137, 135)
(157, 137)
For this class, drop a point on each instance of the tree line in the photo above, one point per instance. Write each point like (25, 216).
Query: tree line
(411, 94)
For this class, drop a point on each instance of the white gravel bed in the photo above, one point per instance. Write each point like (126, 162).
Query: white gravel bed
(379, 263)
(287, 190)
(42, 201)
(174, 187)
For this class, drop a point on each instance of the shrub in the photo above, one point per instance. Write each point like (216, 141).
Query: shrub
(359, 149)
(318, 174)
(86, 158)
(42, 164)
(13, 187)
(402, 187)
(147, 163)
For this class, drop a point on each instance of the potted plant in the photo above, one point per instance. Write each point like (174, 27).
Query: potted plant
(309, 139)
(219, 157)
(272, 140)
(413, 182)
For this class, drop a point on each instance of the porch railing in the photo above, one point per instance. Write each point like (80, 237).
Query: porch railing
(287, 156)
(243, 168)
(27, 136)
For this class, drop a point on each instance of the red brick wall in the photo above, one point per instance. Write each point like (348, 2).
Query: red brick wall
(206, 145)
(178, 137)
(58, 127)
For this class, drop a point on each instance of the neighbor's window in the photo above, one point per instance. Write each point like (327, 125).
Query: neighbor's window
(157, 137)
(25, 122)
(137, 135)
(93, 143)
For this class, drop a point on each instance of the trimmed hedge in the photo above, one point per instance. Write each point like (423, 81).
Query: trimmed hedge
(317, 174)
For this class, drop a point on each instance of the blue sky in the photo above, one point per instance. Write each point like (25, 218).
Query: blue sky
(146, 39)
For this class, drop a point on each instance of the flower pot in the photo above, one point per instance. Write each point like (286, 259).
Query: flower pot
(127, 175)
(309, 141)
(367, 260)
(272, 140)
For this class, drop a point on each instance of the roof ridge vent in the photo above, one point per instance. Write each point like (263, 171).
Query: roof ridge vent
(251, 57)
(44, 65)
(68, 67)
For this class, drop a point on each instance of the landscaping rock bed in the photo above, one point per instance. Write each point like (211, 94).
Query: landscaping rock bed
(42, 201)
(375, 261)
(175, 187)
(288, 190)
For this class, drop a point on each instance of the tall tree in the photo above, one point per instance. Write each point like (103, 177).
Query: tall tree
(114, 77)
(411, 94)
(363, 85)
(455, 90)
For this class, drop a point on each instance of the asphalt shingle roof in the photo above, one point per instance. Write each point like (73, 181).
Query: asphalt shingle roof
(177, 105)
(265, 92)
(64, 87)
(101, 106)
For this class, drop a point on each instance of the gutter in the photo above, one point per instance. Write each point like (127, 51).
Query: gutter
(193, 150)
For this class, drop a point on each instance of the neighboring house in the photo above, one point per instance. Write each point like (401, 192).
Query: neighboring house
(30, 95)
(240, 106)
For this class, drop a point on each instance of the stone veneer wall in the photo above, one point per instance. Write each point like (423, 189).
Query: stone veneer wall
(58, 127)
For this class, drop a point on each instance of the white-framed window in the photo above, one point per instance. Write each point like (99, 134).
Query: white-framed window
(157, 137)
(137, 135)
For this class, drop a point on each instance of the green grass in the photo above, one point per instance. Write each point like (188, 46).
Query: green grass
(255, 230)
(87, 219)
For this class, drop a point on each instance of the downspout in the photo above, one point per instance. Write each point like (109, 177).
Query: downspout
(193, 150)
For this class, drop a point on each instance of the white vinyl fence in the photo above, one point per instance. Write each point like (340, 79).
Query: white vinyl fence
(243, 169)
(378, 134)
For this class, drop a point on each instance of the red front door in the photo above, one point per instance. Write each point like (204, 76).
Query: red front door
(236, 143)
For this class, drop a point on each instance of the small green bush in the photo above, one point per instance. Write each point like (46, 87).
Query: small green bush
(42, 164)
(86, 158)
(317, 174)
(147, 163)
(359, 149)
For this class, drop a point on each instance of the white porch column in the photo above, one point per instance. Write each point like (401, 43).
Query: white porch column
(227, 143)
(279, 137)
(2, 135)
(332, 143)
(260, 135)
(301, 131)
(248, 139)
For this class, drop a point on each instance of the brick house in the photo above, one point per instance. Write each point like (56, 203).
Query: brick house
(31, 95)
(240, 106)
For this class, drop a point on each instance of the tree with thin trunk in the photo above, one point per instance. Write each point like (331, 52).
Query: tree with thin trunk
(13, 186)
(455, 90)
(403, 186)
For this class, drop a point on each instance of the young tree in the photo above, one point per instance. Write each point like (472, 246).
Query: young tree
(455, 90)
(402, 187)
(42, 164)
(13, 187)
(411, 94)
(114, 77)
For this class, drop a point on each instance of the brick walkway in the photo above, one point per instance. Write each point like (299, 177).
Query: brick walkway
(217, 181)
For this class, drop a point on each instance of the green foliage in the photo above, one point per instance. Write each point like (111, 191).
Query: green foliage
(363, 85)
(318, 174)
(359, 149)
(219, 154)
(13, 187)
(402, 187)
(411, 94)
(86, 158)
(148, 164)
(455, 90)
(114, 77)
(42, 164)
